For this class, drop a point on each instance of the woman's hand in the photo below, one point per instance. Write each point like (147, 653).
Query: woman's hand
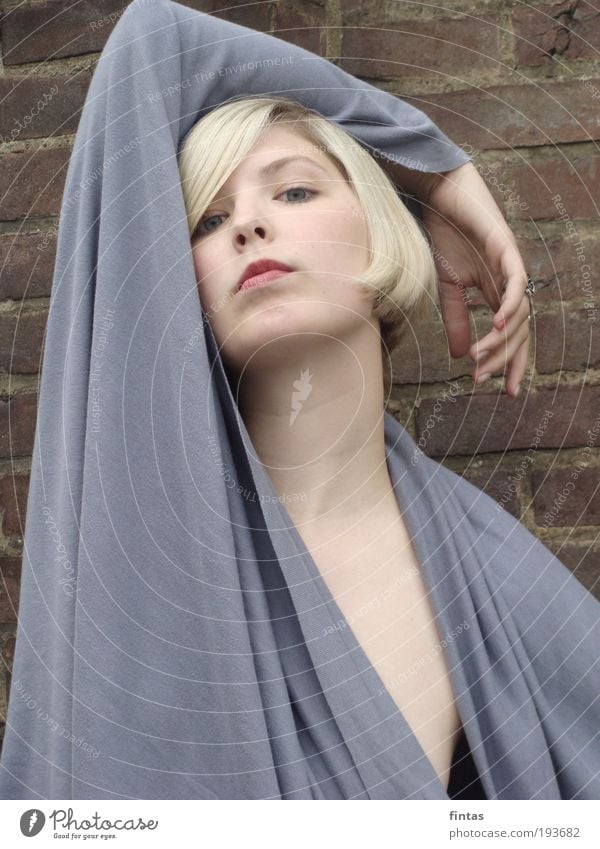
(473, 246)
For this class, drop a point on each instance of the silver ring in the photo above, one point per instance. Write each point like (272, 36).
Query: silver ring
(530, 288)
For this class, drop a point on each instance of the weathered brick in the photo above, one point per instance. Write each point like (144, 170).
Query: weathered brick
(583, 561)
(532, 113)
(21, 413)
(10, 582)
(13, 503)
(554, 264)
(567, 30)
(424, 356)
(300, 27)
(538, 183)
(402, 48)
(32, 183)
(27, 263)
(567, 497)
(538, 189)
(58, 28)
(7, 651)
(3, 702)
(253, 15)
(21, 340)
(364, 12)
(499, 485)
(501, 183)
(478, 423)
(40, 107)
(558, 273)
(567, 341)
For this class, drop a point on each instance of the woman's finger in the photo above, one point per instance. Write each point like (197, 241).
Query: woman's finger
(500, 356)
(516, 368)
(516, 282)
(499, 336)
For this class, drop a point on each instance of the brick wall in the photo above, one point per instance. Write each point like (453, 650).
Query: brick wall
(518, 84)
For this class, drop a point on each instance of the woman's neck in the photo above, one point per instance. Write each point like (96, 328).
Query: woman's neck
(316, 422)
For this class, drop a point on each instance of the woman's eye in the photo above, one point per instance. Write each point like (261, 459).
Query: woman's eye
(200, 228)
(298, 189)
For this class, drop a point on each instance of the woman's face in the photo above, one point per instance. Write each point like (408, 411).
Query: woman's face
(301, 213)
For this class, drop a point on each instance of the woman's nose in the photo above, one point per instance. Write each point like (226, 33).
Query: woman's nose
(249, 231)
(250, 221)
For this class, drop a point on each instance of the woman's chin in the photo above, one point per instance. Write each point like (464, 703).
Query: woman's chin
(268, 351)
(276, 337)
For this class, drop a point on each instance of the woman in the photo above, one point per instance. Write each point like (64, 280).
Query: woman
(177, 638)
(310, 269)
(348, 226)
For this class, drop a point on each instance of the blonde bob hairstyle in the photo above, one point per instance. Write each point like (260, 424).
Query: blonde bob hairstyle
(401, 279)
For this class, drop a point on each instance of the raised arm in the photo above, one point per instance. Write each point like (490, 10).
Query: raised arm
(221, 60)
(213, 61)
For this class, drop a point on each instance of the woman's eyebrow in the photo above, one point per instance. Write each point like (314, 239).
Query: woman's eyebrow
(278, 164)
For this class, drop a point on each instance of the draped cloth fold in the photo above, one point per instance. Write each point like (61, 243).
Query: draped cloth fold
(175, 638)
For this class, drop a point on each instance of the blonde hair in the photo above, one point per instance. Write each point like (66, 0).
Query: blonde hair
(401, 278)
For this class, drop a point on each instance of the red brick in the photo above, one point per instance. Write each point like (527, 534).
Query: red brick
(499, 485)
(499, 117)
(300, 27)
(58, 28)
(501, 183)
(478, 423)
(13, 504)
(523, 190)
(583, 561)
(32, 183)
(7, 643)
(21, 341)
(556, 270)
(537, 183)
(442, 46)
(40, 107)
(423, 356)
(10, 582)
(567, 497)
(7, 651)
(6, 659)
(17, 425)
(253, 15)
(563, 31)
(356, 12)
(27, 263)
(567, 341)
(3, 704)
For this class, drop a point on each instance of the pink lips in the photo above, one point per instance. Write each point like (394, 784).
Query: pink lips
(262, 279)
(260, 267)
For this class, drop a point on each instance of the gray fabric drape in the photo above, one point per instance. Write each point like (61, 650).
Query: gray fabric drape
(175, 637)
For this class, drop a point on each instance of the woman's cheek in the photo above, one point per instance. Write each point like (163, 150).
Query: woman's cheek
(207, 297)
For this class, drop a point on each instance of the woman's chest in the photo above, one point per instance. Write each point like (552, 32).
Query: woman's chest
(382, 597)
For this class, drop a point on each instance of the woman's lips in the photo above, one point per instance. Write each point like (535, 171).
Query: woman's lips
(262, 279)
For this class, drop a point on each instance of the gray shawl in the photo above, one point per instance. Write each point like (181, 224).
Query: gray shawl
(175, 638)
